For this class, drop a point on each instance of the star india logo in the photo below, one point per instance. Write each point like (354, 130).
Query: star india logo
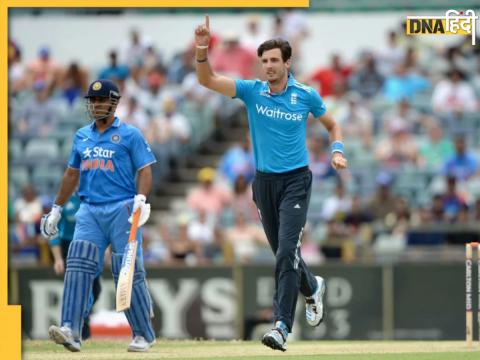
(87, 153)
(453, 23)
(97, 158)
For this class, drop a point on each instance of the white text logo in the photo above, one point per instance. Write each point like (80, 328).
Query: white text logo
(277, 113)
(98, 152)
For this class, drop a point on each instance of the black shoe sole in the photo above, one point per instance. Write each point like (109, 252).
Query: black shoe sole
(271, 343)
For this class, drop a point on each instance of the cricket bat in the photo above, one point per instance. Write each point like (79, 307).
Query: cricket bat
(125, 279)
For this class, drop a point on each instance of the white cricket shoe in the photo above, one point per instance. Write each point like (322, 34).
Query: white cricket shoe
(275, 339)
(139, 344)
(314, 309)
(63, 336)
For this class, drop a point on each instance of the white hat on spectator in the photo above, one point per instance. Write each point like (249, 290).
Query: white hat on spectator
(230, 36)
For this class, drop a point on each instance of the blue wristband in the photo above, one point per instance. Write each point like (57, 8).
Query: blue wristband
(337, 146)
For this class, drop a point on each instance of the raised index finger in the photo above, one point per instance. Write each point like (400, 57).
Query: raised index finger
(207, 21)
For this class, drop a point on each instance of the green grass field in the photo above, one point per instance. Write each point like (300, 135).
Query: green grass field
(233, 350)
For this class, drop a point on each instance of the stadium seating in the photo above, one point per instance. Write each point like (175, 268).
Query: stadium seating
(46, 178)
(18, 176)
(41, 149)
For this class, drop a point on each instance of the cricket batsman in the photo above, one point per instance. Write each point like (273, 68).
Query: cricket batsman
(105, 158)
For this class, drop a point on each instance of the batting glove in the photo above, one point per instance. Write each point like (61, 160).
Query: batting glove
(140, 202)
(49, 222)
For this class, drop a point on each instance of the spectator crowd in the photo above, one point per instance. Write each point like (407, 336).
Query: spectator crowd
(409, 111)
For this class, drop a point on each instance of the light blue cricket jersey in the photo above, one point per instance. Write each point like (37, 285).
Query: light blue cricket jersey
(278, 122)
(108, 162)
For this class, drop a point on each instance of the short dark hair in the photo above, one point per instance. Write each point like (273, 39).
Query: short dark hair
(281, 44)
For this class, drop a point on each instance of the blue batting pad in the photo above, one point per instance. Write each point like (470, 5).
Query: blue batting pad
(141, 311)
(82, 262)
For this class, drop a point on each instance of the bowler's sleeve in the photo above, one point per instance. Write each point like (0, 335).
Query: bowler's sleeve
(244, 89)
(317, 106)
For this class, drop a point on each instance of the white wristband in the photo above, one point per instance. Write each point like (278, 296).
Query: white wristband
(141, 197)
(203, 47)
(57, 208)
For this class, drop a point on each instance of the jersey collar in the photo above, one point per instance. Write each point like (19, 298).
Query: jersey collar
(290, 82)
(116, 123)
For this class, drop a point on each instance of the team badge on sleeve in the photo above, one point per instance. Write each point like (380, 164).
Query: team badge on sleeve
(148, 146)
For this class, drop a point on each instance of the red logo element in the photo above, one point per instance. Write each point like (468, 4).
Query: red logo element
(102, 164)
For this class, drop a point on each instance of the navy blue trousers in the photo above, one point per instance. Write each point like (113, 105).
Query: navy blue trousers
(282, 201)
